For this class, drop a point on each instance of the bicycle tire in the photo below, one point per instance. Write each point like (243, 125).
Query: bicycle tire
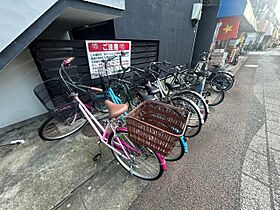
(192, 129)
(125, 94)
(47, 122)
(198, 100)
(232, 77)
(130, 168)
(177, 153)
(217, 90)
(225, 81)
(188, 78)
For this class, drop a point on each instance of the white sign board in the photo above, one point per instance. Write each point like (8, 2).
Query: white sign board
(102, 50)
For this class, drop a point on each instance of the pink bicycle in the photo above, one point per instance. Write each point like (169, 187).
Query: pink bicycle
(138, 160)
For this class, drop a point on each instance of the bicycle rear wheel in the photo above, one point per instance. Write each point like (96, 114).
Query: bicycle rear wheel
(198, 100)
(66, 121)
(195, 120)
(225, 81)
(177, 153)
(143, 163)
(214, 96)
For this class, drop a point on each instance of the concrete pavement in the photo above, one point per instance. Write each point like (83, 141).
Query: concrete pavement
(233, 164)
(260, 179)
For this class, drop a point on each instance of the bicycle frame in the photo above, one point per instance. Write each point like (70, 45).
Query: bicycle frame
(106, 133)
(202, 86)
(111, 127)
(103, 137)
(116, 100)
(163, 92)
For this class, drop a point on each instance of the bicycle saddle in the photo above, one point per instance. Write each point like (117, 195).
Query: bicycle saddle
(144, 97)
(115, 110)
(171, 86)
(152, 89)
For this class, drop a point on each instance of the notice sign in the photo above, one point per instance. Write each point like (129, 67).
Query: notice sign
(102, 50)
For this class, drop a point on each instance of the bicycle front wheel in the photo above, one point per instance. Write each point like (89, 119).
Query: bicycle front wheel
(58, 127)
(142, 163)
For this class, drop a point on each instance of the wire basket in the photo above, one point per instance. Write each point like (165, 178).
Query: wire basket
(55, 98)
(52, 94)
(157, 125)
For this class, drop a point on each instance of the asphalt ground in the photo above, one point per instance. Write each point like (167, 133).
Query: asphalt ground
(210, 176)
(234, 163)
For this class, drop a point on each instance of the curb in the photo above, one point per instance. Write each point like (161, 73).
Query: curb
(235, 69)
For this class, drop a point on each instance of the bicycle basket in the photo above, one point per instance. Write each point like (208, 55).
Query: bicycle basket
(157, 125)
(52, 94)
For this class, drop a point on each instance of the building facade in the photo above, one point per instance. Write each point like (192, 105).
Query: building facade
(25, 21)
(168, 22)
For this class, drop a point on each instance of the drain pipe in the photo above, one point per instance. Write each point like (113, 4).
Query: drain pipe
(196, 16)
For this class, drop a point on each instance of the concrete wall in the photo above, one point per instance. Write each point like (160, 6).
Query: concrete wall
(119, 4)
(17, 81)
(166, 20)
(17, 16)
(206, 29)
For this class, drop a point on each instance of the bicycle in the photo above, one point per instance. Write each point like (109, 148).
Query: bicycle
(210, 90)
(115, 88)
(156, 88)
(224, 79)
(174, 83)
(181, 147)
(64, 117)
(138, 160)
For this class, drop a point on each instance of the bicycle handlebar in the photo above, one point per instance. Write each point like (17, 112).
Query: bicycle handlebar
(137, 69)
(89, 88)
(152, 71)
(68, 61)
(121, 80)
(165, 63)
(96, 89)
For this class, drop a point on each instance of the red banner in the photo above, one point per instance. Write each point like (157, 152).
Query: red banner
(108, 46)
(229, 28)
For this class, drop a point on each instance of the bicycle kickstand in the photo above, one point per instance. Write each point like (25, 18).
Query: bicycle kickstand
(98, 155)
(129, 174)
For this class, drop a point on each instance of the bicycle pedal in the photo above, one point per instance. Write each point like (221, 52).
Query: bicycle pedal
(96, 157)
